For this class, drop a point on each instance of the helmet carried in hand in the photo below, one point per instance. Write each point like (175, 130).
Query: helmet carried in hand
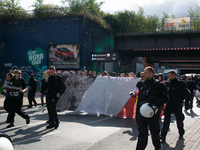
(148, 110)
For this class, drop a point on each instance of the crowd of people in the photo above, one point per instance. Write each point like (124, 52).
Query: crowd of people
(167, 94)
(52, 86)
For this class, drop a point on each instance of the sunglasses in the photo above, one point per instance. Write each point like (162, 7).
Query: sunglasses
(19, 73)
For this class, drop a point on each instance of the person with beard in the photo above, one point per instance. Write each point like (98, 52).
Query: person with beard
(32, 85)
(191, 86)
(56, 88)
(151, 91)
(177, 92)
(15, 92)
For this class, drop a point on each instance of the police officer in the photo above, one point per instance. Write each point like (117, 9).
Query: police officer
(151, 91)
(177, 91)
(56, 88)
(32, 83)
(191, 86)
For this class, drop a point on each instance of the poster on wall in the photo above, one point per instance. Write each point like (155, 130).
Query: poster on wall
(64, 56)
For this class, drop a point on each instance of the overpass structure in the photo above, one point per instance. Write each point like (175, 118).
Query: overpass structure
(174, 49)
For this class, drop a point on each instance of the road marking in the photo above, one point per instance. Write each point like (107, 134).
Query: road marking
(100, 120)
(37, 137)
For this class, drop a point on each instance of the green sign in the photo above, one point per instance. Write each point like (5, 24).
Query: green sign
(35, 57)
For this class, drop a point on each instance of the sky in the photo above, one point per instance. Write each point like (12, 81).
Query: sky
(178, 7)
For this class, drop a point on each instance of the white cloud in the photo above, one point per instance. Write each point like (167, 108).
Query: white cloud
(178, 7)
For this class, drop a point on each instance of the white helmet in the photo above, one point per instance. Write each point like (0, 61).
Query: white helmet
(147, 110)
(5, 142)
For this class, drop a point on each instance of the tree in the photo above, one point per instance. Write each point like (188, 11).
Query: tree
(194, 15)
(94, 7)
(38, 3)
(78, 6)
(47, 10)
(11, 9)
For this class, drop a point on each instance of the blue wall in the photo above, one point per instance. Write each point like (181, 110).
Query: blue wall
(2, 46)
(23, 35)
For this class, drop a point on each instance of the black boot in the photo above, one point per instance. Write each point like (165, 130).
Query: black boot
(57, 124)
(28, 120)
(10, 125)
(50, 126)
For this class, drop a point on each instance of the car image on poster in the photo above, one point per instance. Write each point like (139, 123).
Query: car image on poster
(64, 56)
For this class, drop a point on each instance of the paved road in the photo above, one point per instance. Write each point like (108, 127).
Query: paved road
(79, 131)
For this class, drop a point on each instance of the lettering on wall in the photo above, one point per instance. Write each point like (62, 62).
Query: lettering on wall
(35, 57)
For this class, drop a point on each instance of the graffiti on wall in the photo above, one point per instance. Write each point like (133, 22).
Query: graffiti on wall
(35, 57)
(27, 70)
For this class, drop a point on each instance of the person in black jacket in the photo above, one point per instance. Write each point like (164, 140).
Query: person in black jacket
(32, 86)
(56, 88)
(15, 90)
(151, 91)
(177, 91)
(191, 86)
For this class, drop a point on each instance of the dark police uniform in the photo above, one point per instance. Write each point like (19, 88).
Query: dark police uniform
(191, 86)
(31, 93)
(155, 92)
(177, 91)
(55, 85)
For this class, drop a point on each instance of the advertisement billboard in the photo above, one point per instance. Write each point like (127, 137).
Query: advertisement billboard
(177, 24)
(64, 56)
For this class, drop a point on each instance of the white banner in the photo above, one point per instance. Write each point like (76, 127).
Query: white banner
(107, 95)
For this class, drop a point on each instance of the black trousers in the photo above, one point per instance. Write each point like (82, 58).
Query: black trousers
(15, 106)
(154, 127)
(175, 109)
(7, 106)
(31, 98)
(189, 102)
(51, 107)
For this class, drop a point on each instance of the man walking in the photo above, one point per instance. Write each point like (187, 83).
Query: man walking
(151, 91)
(191, 86)
(56, 88)
(15, 91)
(177, 91)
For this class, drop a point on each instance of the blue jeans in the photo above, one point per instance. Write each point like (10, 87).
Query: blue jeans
(42, 99)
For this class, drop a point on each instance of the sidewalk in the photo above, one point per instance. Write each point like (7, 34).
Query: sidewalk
(25, 100)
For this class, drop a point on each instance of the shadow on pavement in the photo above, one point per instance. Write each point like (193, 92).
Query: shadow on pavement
(191, 113)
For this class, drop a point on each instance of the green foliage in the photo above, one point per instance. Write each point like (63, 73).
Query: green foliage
(11, 9)
(194, 15)
(48, 10)
(80, 6)
(129, 21)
